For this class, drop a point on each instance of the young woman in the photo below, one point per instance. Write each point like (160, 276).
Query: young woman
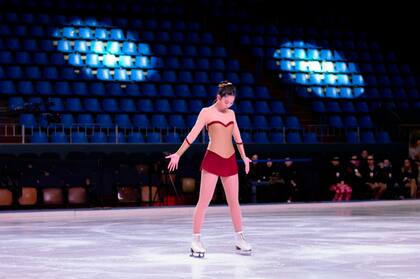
(219, 160)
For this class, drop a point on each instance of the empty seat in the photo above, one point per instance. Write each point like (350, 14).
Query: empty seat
(153, 137)
(78, 137)
(123, 121)
(59, 137)
(367, 137)
(293, 137)
(172, 137)
(39, 137)
(99, 137)
(135, 137)
(310, 137)
(104, 121)
(261, 137)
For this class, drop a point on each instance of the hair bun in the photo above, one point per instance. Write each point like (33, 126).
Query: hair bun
(224, 83)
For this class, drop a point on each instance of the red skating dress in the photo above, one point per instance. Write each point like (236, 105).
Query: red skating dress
(220, 136)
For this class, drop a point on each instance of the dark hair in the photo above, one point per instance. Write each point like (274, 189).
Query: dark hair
(226, 88)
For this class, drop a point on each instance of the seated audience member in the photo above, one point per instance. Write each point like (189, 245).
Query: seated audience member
(408, 178)
(337, 181)
(372, 178)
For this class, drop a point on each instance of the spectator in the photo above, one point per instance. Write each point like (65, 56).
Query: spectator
(409, 177)
(254, 168)
(355, 178)
(337, 181)
(372, 177)
(388, 177)
(290, 179)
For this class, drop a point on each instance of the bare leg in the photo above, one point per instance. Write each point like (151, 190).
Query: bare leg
(207, 185)
(231, 187)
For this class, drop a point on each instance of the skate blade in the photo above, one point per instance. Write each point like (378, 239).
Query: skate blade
(243, 252)
(196, 254)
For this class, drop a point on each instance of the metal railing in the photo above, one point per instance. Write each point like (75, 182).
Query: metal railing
(16, 133)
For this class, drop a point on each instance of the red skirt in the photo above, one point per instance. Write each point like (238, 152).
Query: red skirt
(214, 163)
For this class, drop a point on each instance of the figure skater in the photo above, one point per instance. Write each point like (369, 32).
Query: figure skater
(219, 160)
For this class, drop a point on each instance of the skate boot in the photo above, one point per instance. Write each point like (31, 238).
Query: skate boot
(197, 249)
(242, 246)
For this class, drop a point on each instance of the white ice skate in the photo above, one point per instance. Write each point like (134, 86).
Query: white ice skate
(242, 246)
(197, 248)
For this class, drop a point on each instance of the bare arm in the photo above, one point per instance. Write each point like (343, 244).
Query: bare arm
(237, 137)
(192, 135)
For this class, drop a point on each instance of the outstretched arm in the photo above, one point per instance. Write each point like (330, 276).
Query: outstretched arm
(192, 135)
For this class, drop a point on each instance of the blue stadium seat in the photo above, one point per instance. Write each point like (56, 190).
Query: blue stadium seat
(123, 121)
(64, 46)
(127, 105)
(246, 107)
(176, 121)
(195, 106)
(85, 120)
(261, 137)
(39, 137)
(23, 57)
(180, 106)
(78, 137)
(333, 106)
(99, 137)
(67, 121)
(277, 137)
(292, 122)
(8, 87)
(121, 75)
(350, 122)
(28, 120)
(117, 34)
(114, 138)
(201, 77)
(101, 33)
(55, 104)
(345, 92)
(129, 48)
(92, 60)
(172, 137)
(310, 137)
(59, 137)
(81, 46)
(91, 105)
(293, 137)
(367, 137)
(247, 78)
(74, 104)
(365, 122)
(218, 64)
(43, 88)
(85, 33)
(133, 90)
(260, 122)
(276, 122)
(153, 137)
(97, 47)
(247, 92)
(104, 121)
(331, 92)
(362, 107)
(23, 87)
(141, 121)
(50, 73)
(14, 72)
(262, 92)
(199, 91)
(110, 60)
(145, 105)
(159, 121)
(135, 137)
(335, 121)
(318, 107)
(110, 105)
(166, 90)
(383, 137)
(33, 72)
(163, 106)
(16, 103)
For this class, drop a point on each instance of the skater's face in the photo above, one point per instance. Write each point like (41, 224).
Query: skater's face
(226, 101)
